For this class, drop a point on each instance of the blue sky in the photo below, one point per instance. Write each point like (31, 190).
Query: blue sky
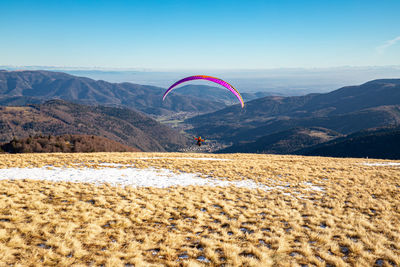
(200, 34)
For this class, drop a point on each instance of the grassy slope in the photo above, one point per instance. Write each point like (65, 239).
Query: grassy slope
(356, 218)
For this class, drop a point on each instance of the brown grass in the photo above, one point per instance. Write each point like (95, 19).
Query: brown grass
(354, 221)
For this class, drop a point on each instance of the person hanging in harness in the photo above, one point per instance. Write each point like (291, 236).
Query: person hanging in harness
(199, 140)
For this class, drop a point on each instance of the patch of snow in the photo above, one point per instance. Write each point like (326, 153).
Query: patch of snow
(159, 178)
(151, 177)
(218, 159)
(105, 164)
(381, 163)
(313, 187)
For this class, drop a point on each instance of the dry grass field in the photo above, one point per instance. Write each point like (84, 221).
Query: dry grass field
(290, 211)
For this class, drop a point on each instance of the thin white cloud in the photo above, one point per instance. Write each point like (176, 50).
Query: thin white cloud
(381, 49)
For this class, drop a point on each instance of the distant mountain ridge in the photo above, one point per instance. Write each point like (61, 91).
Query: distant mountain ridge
(375, 93)
(27, 87)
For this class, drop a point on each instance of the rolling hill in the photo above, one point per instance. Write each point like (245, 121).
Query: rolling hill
(383, 143)
(64, 143)
(284, 142)
(57, 117)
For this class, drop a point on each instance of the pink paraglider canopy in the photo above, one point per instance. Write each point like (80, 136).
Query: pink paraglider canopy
(208, 78)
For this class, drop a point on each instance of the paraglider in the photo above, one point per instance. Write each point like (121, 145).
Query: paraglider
(208, 78)
(199, 140)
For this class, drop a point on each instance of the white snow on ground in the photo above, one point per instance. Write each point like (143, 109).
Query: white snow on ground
(123, 177)
(104, 164)
(382, 163)
(313, 187)
(130, 176)
(186, 158)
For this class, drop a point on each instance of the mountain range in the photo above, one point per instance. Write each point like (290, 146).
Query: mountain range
(267, 124)
(27, 87)
(35, 87)
(346, 110)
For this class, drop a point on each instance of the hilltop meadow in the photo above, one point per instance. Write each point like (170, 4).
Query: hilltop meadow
(240, 210)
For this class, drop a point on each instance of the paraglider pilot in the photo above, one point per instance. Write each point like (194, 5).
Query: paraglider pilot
(199, 140)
